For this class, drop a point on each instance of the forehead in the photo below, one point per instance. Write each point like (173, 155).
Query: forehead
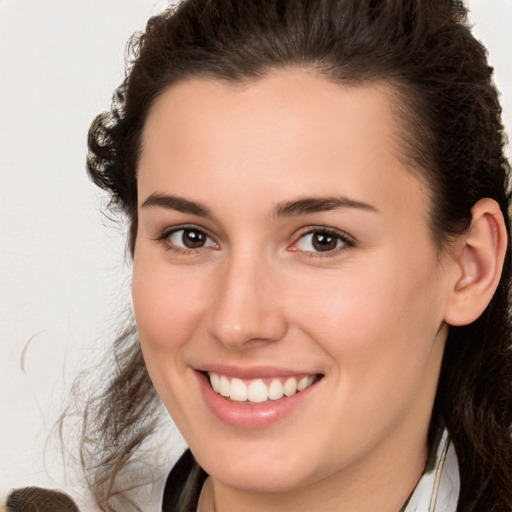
(292, 127)
(292, 103)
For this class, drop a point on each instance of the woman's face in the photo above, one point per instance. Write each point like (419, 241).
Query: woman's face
(284, 244)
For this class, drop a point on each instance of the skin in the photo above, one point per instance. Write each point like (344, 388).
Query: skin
(369, 315)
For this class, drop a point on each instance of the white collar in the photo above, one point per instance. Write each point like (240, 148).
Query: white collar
(438, 488)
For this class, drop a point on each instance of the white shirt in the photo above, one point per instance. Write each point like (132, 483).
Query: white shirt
(438, 488)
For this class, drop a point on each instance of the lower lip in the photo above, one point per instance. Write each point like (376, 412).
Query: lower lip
(250, 416)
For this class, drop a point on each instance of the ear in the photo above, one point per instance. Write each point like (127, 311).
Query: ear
(479, 257)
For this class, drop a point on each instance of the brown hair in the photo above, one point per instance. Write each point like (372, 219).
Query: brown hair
(452, 135)
(37, 499)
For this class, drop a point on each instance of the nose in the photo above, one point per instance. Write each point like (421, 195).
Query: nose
(247, 309)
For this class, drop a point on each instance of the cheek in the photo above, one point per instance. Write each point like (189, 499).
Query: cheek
(167, 305)
(377, 316)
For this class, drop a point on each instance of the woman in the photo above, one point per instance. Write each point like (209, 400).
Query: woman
(318, 205)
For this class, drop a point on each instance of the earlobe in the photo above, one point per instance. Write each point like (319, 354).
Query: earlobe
(479, 260)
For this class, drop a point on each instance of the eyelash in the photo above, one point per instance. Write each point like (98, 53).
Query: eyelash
(340, 236)
(346, 240)
(164, 238)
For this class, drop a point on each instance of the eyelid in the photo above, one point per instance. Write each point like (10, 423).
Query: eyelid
(348, 241)
(164, 238)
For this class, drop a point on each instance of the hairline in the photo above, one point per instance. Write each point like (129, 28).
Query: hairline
(401, 109)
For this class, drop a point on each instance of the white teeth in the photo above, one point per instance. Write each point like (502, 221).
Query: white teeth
(214, 381)
(290, 386)
(224, 387)
(275, 390)
(256, 390)
(238, 390)
(305, 382)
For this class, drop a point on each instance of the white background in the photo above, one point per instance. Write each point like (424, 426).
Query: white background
(64, 279)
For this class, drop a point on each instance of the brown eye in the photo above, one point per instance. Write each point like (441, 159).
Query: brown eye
(321, 241)
(324, 242)
(188, 238)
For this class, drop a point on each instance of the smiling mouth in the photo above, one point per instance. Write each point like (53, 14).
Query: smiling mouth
(260, 390)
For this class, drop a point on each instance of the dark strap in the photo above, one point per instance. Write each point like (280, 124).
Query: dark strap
(183, 485)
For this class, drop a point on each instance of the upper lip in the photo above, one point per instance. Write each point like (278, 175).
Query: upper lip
(252, 372)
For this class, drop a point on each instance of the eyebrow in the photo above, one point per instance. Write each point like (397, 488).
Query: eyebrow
(303, 206)
(319, 204)
(179, 204)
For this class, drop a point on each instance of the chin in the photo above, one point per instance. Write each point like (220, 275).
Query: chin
(273, 473)
(260, 480)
